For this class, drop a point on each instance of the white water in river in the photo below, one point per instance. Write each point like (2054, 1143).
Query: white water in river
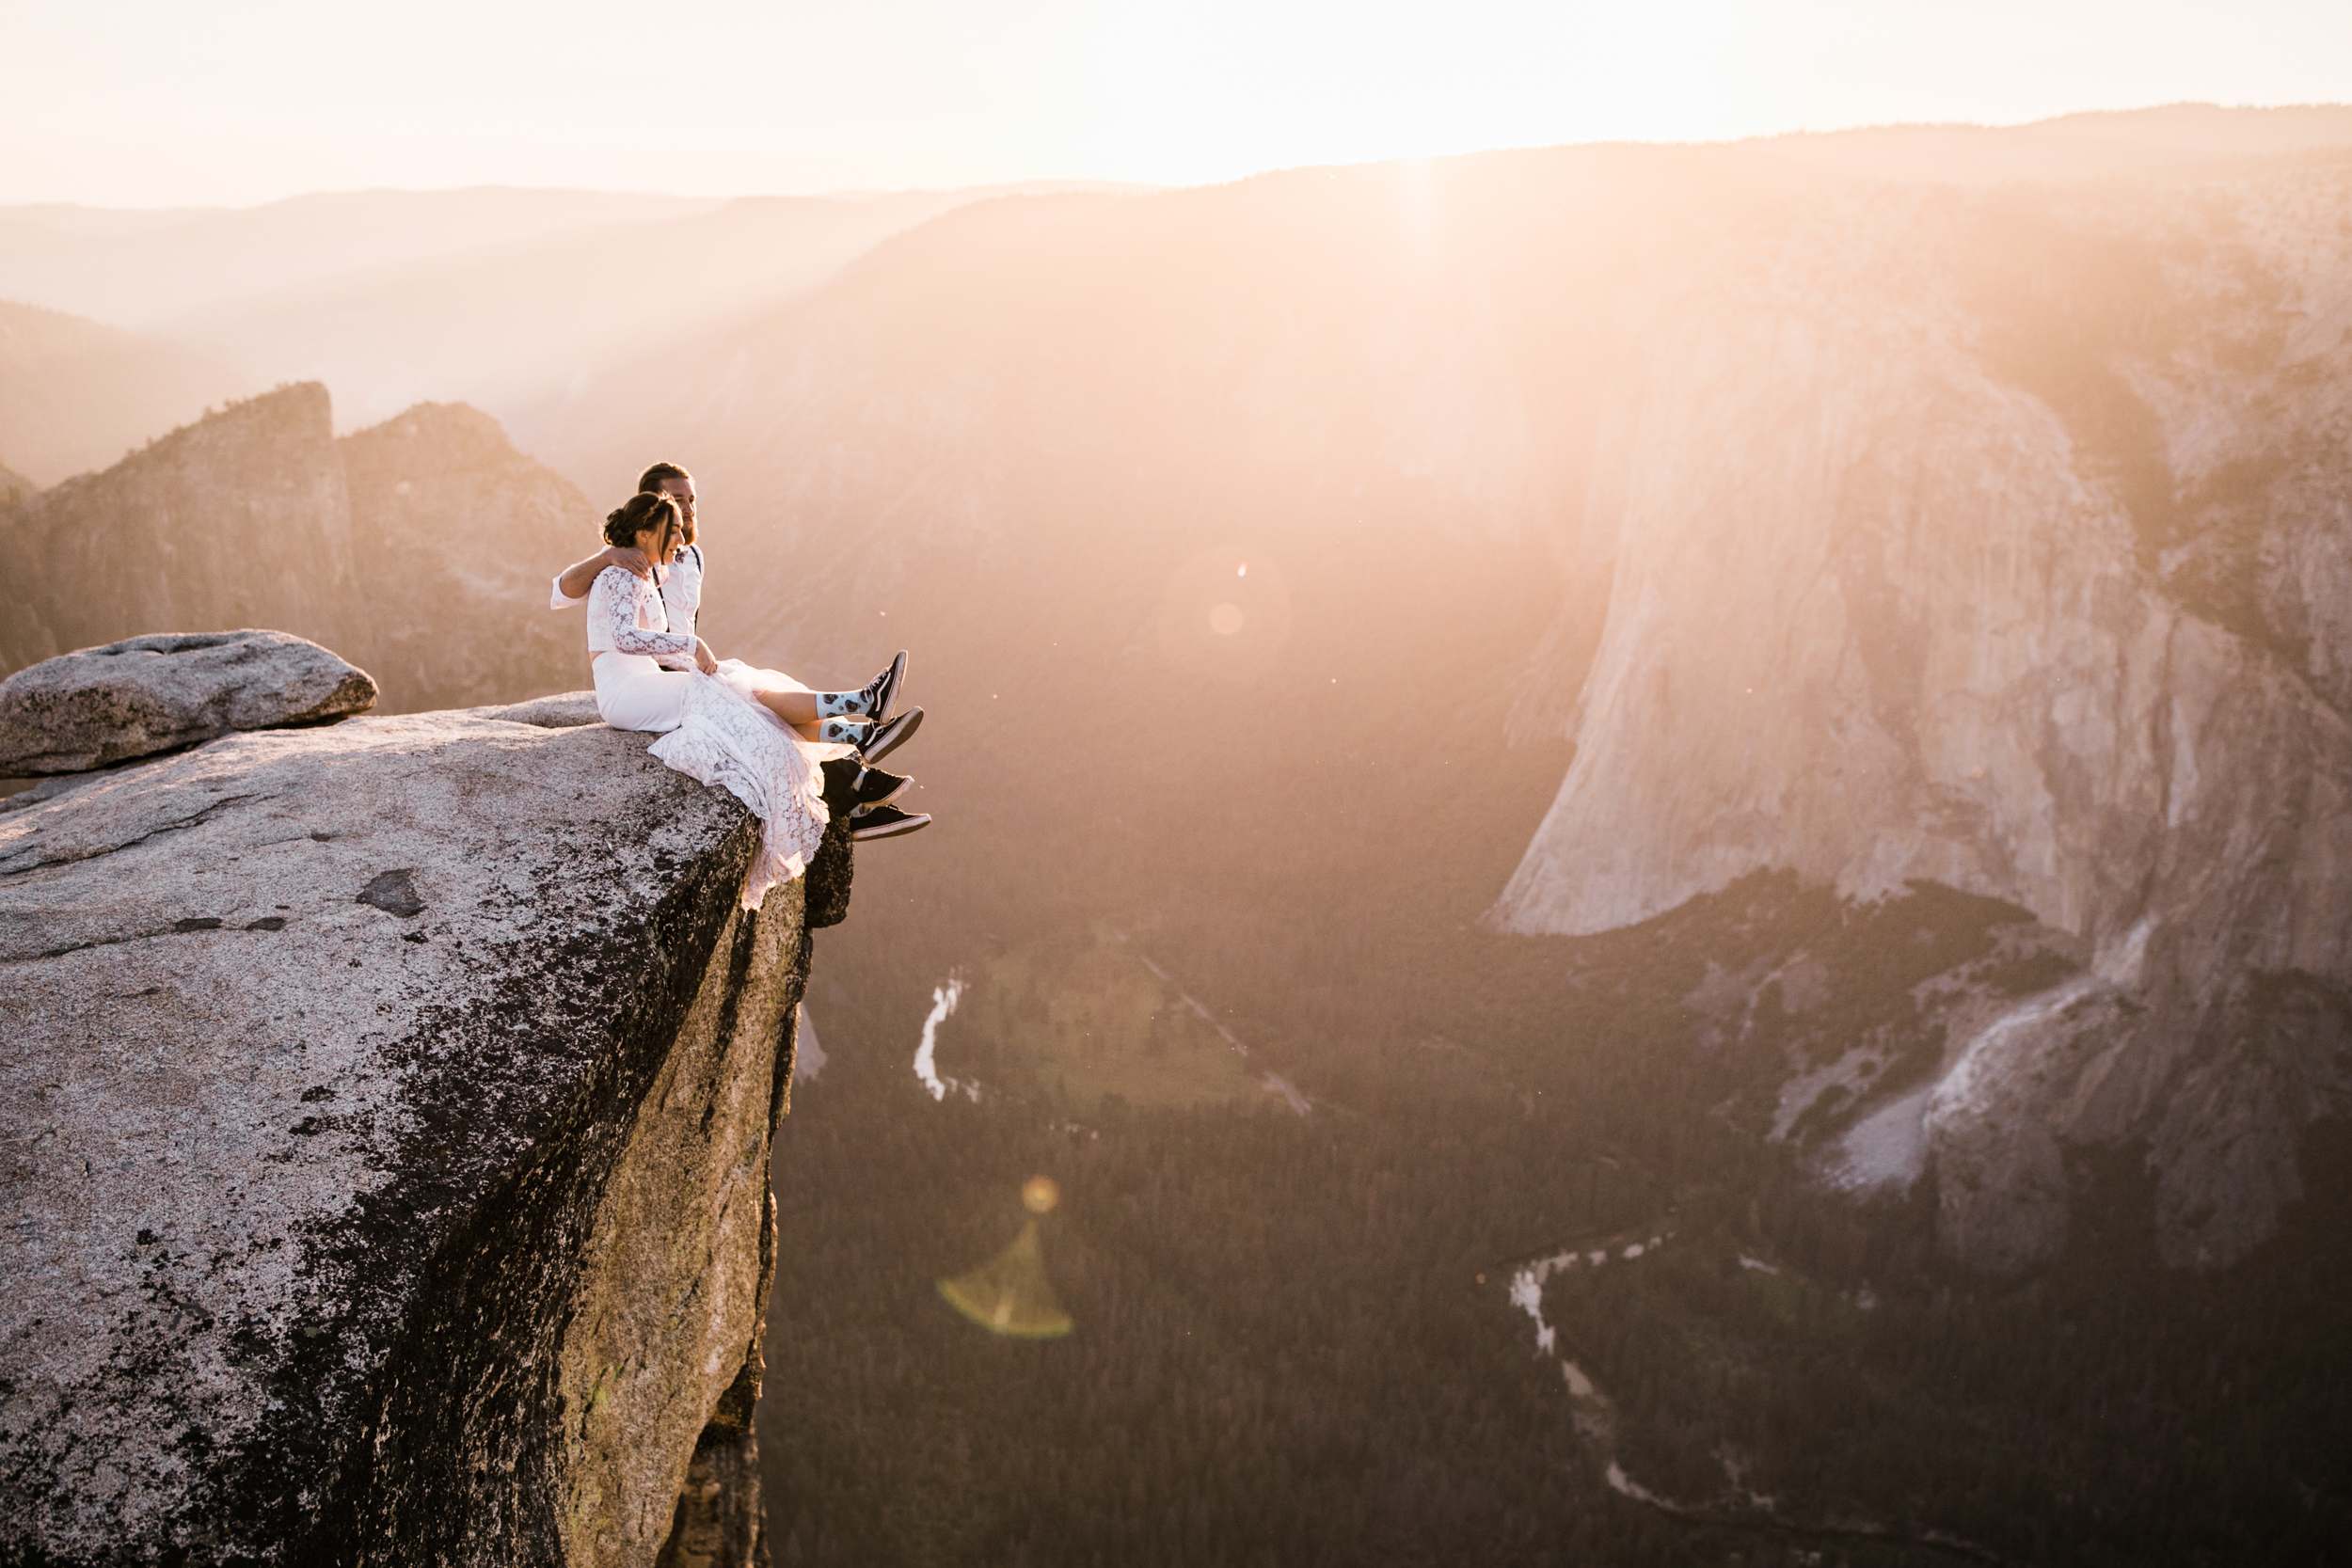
(1289, 1091)
(808, 1057)
(943, 999)
(1526, 1282)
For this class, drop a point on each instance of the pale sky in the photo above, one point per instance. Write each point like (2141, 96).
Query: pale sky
(165, 102)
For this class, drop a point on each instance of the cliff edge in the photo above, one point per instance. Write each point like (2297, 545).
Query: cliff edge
(389, 1108)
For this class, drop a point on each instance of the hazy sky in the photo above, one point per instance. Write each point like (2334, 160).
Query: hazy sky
(177, 102)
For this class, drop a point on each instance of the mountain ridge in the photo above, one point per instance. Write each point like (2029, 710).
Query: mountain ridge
(422, 546)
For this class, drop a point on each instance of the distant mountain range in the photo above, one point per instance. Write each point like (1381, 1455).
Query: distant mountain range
(1965, 527)
(492, 296)
(75, 395)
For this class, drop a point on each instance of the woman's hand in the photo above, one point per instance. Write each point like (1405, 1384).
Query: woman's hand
(704, 658)
(628, 560)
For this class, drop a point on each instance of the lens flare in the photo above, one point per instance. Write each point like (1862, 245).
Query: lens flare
(1009, 1293)
(1225, 613)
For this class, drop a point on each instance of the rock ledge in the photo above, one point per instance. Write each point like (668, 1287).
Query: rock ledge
(432, 1226)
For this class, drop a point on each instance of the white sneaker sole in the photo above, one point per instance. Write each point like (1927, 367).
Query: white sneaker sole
(888, 737)
(894, 829)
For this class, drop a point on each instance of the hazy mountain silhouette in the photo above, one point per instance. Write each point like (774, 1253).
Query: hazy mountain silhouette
(508, 324)
(414, 548)
(142, 270)
(499, 297)
(2101, 146)
(75, 395)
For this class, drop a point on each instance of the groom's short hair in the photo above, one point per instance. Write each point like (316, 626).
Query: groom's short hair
(659, 475)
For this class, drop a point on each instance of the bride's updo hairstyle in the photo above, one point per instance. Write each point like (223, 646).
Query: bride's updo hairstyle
(641, 511)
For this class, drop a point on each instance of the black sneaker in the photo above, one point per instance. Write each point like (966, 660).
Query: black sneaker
(882, 739)
(882, 691)
(874, 788)
(849, 786)
(869, 822)
(841, 776)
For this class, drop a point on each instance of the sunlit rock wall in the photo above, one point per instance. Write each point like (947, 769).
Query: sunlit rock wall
(1920, 564)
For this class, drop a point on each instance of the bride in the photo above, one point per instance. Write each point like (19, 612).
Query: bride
(759, 733)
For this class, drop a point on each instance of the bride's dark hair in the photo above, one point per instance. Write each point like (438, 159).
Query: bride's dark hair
(641, 511)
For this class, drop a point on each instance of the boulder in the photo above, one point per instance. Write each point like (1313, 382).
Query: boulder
(389, 1110)
(104, 705)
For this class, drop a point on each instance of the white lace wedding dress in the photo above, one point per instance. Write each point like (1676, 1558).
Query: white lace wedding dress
(714, 727)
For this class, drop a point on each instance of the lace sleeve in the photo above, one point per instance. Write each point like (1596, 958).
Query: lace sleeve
(628, 636)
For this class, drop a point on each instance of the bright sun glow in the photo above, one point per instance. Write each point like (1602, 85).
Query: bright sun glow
(135, 103)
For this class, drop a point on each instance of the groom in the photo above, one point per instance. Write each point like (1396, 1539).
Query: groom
(682, 587)
(863, 790)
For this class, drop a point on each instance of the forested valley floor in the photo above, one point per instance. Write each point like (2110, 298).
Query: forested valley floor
(1296, 1340)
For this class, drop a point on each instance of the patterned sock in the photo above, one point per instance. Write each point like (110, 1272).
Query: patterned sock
(843, 731)
(832, 704)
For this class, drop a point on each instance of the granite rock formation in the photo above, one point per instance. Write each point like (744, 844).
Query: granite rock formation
(419, 549)
(237, 520)
(104, 705)
(1999, 543)
(390, 1107)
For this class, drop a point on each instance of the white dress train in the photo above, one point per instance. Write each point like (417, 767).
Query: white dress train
(713, 728)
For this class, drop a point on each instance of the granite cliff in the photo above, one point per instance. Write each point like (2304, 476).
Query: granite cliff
(419, 548)
(388, 1107)
(2001, 544)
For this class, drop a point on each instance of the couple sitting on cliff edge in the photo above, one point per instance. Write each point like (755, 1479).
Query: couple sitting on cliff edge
(795, 757)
